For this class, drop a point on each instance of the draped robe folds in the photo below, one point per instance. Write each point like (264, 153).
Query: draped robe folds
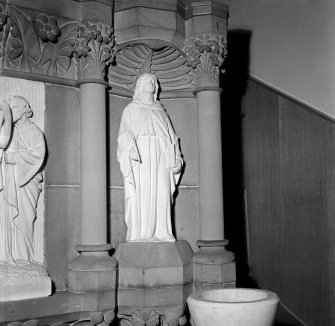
(19, 196)
(148, 184)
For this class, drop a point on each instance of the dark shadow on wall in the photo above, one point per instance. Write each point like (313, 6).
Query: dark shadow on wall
(108, 165)
(234, 84)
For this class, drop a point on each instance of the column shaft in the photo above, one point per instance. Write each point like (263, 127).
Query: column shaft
(93, 174)
(210, 165)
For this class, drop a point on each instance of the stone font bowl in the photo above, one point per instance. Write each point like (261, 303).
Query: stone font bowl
(233, 307)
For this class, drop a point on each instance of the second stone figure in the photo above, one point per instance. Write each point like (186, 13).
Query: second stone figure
(151, 163)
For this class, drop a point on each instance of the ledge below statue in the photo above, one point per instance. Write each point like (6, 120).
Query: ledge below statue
(19, 282)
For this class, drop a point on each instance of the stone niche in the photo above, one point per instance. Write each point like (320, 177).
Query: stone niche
(175, 78)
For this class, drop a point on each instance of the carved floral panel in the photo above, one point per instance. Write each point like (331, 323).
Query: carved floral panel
(54, 46)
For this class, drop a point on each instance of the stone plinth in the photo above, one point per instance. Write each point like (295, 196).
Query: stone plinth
(213, 266)
(93, 271)
(19, 282)
(154, 280)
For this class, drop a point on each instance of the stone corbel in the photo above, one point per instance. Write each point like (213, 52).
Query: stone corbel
(205, 53)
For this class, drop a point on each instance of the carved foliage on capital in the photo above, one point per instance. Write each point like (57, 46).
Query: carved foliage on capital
(94, 49)
(206, 54)
(53, 46)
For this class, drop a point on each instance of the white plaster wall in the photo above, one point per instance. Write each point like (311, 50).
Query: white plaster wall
(34, 93)
(292, 46)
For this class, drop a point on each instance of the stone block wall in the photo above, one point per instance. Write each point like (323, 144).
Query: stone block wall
(62, 172)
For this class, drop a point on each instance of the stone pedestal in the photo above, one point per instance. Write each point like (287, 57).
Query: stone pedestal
(213, 266)
(154, 281)
(93, 271)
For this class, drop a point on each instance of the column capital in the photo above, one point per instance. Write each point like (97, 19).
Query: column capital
(94, 51)
(205, 53)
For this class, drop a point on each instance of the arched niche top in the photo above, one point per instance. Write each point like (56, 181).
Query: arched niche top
(163, 59)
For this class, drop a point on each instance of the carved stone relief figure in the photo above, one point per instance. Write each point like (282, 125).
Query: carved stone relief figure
(5, 132)
(21, 176)
(151, 163)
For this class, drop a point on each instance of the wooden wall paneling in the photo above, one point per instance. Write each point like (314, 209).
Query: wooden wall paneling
(329, 283)
(260, 145)
(289, 168)
(303, 207)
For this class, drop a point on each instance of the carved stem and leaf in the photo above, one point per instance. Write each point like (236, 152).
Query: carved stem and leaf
(24, 46)
(60, 52)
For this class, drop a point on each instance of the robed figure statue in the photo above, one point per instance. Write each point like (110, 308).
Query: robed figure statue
(150, 161)
(21, 164)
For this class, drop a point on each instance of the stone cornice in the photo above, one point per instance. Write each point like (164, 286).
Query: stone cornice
(209, 7)
(185, 10)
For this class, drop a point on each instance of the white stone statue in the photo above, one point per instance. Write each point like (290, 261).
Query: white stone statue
(150, 161)
(21, 179)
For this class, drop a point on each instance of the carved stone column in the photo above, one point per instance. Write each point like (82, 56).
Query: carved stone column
(213, 265)
(94, 269)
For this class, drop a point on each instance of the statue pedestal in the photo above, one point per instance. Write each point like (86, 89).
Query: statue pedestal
(155, 279)
(213, 265)
(19, 282)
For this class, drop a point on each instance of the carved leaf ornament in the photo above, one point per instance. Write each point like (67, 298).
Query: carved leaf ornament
(58, 46)
(3, 21)
(168, 64)
(24, 43)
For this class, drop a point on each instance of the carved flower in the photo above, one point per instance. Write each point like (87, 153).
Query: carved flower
(101, 34)
(81, 48)
(46, 28)
(97, 318)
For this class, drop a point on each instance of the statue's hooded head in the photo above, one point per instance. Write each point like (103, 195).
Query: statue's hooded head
(21, 106)
(139, 85)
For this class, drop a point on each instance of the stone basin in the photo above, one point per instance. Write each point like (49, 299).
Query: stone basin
(233, 307)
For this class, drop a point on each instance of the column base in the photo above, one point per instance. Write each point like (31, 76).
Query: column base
(213, 266)
(93, 270)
